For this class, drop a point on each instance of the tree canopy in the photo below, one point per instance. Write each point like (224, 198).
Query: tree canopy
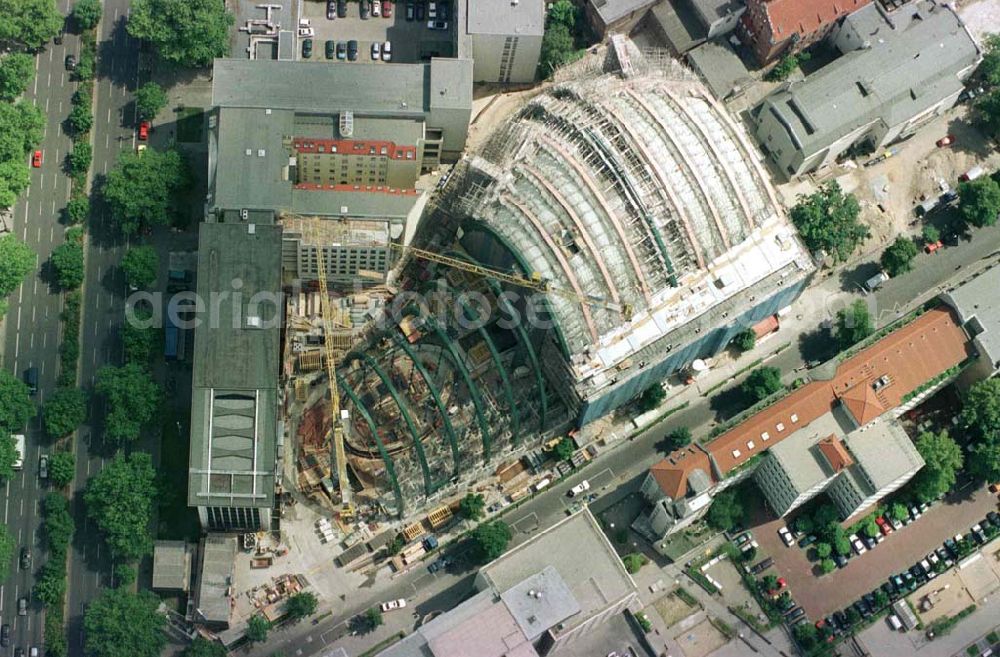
(188, 33)
(16, 261)
(150, 98)
(565, 448)
(58, 526)
(489, 541)
(64, 411)
(762, 383)
(988, 113)
(828, 220)
(132, 397)
(120, 622)
(87, 13)
(301, 605)
(67, 261)
(16, 407)
(676, 439)
(140, 265)
(17, 70)
(979, 201)
(651, 397)
(898, 257)
(138, 338)
(745, 340)
(142, 189)
(21, 127)
(726, 511)
(202, 647)
(62, 465)
(942, 459)
(7, 543)
(29, 23)
(119, 500)
(981, 420)
(472, 506)
(558, 49)
(854, 324)
(257, 629)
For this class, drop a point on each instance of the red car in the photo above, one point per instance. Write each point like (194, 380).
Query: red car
(933, 246)
(883, 526)
(387, 8)
(36, 159)
(947, 140)
(144, 130)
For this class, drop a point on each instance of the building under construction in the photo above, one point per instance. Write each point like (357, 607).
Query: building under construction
(641, 216)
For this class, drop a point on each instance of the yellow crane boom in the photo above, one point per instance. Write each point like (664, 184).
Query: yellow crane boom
(534, 282)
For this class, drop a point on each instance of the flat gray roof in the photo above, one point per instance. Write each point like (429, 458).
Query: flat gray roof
(539, 602)
(254, 179)
(720, 67)
(713, 10)
(977, 303)
(236, 366)
(884, 451)
(218, 560)
(905, 71)
(612, 10)
(171, 565)
(799, 456)
(501, 17)
(581, 554)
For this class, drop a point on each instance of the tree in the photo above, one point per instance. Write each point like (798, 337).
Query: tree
(124, 575)
(120, 500)
(78, 209)
(678, 438)
(301, 605)
(16, 407)
(768, 583)
(29, 23)
(373, 618)
(257, 629)
(806, 635)
(805, 524)
(854, 324)
(80, 157)
(564, 12)
(202, 647)
(881, 599)
(762, 383)
(989, 68)
(745, 340)
(142, 190)
(942, 459)
(87, 13)
(81, 120)
(489, 541)
(62, 466)
(979, 201)
(841, 544)
(21, 127)
(828, 221)
(50, 587)
(785, 67)
(16, 260)
(870, 527)
(823, 550)
(132, 398)
(898, 512)
(64, 411)
(7, 542)
(558, 49)
(14, 179)
(633, 562)
(472, 506)
(140, 265)
(564, 448)
(150, 98)
(726, 511)
(67, 260)
(984, 461)
(930, 234)
(188, 33)
(853, 615)
(120, 622)
(58, 525)
(827, 566)
(898, 257)
(138, 338)
(981, 411)
(86, 66)
(17, 70)
(651, 398)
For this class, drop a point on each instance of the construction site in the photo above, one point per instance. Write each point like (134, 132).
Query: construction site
(619, 227)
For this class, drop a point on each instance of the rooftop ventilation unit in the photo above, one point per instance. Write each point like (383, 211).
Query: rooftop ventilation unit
(253, 322)
(347, 123)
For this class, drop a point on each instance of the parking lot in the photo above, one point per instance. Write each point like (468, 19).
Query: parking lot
(412, 41)
(821, 595)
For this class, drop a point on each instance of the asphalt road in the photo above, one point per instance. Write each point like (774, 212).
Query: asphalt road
(104, 300)
(31, 331)
(618, 472)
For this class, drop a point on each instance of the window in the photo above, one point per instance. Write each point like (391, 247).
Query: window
(750, 444)
(795, 418)
(736, 453)
(765, 436)
(780, 427)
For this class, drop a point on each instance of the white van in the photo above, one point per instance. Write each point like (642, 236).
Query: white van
(19, 448)
(542, 484)
(894, 623)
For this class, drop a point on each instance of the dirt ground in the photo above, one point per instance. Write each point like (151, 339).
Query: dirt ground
(673, 610)
(701, 639)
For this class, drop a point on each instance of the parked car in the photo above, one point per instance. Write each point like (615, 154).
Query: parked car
(376, 8)
(329, 48)
(918, 573)
(914, 511)
(944, 555)
(341, 8)
(883, 526)
(387, 51)
(806, 541)
(386, 8)
(786, 536)
(437, 25)
(896, 525)
(331, 9)
(947, 140)
(840, 560)
(952, 546)
(925, 565)
(341, 50)
(978, 534)
(994, 518)
(796, 613)
(421, 8)
(581, 487)
(376, 51)
(70, 62)
(857, 545)
(22, 606)
(869, 542)
(842, 619)
(43, 466)
(307, 48)
(762, 566)
(444, 11)
(365, 9)
(869, 599)
(888, 589)
(410, 11)
(5, 635)
(933, 247)
(352, 50)
(393, 604)
(862, 608)
(144, 131)
(36, 159)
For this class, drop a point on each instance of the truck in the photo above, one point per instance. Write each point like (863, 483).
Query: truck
(19, 449)
(876, 281)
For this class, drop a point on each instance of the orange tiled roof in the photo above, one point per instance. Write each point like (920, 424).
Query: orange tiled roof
(788, 17)
(672, 472)
(835, 453)
(909, 357)
(863, 403)
(766, 326)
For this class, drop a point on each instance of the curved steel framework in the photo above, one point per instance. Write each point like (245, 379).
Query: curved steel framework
(449, 430)
(524, 338)
(418, 447)
(390, 468)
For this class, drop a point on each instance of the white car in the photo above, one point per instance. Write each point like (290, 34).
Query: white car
(393, 604)
(376, 8)
(387, 51)
(931, 573)
(376, 51)
(786, 536)
(581, 487)
(859, 547)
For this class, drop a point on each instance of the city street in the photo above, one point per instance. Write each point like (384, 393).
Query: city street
(618, 472)
(31, 326)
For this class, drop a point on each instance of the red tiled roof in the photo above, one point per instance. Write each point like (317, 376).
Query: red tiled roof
(863, 403)
(802, 17)
(766, 326)
(835, 453)
(672, 472)
(368, 147)
(910, 356)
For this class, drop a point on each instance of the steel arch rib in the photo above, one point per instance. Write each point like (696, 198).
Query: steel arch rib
(532, 356)
(448, 428)
(417, 446)
(389, 467)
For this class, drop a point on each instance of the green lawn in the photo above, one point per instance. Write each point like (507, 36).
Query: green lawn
(189, 125)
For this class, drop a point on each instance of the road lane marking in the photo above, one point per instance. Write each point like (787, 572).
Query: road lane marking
(46, 105)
